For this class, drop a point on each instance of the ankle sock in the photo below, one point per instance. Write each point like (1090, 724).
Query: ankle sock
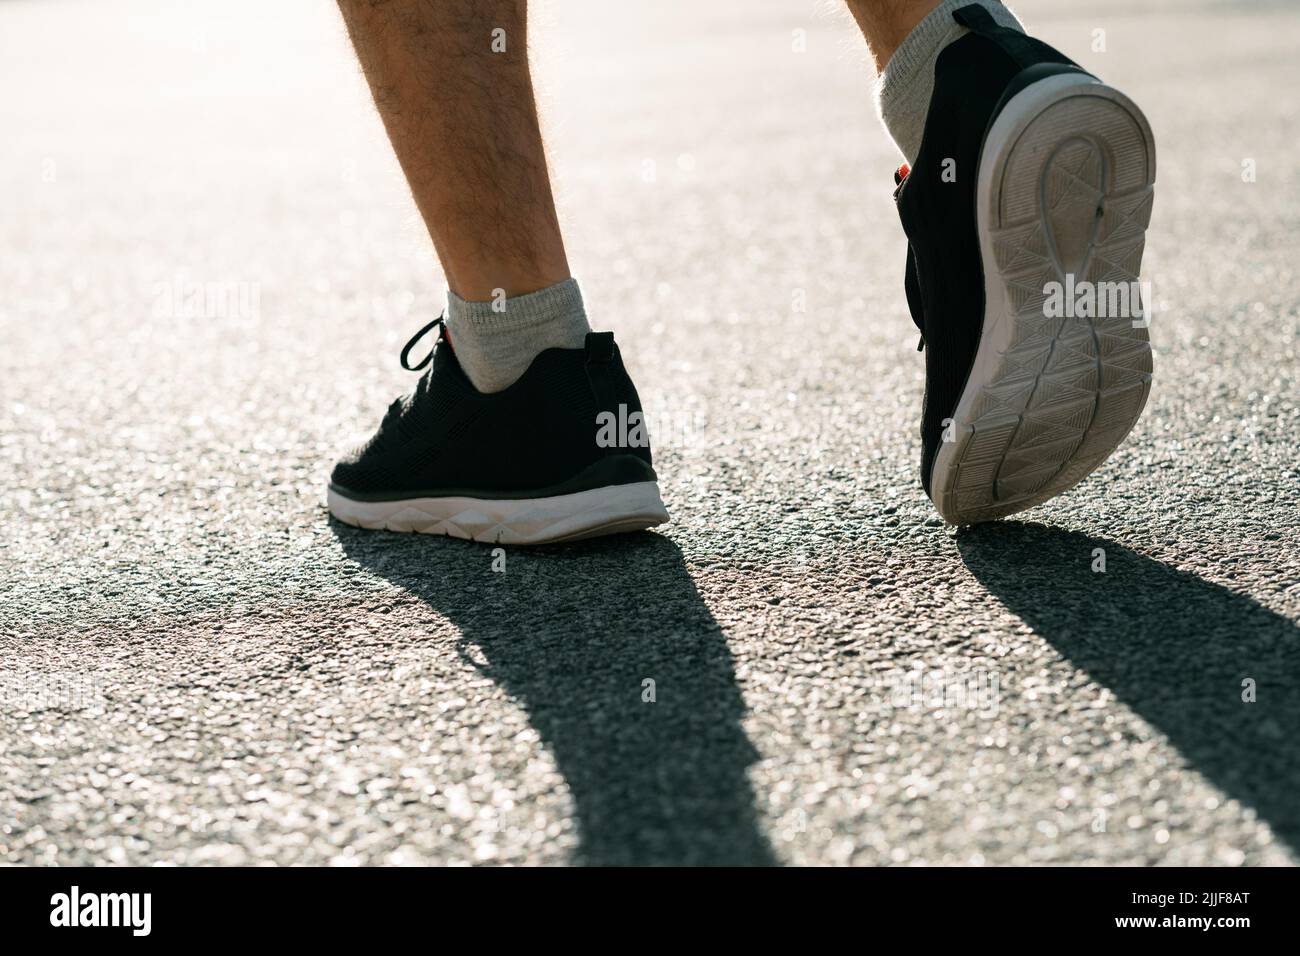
(495, 342)
(904, 88)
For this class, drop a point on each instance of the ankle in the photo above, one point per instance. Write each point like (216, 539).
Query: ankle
(482, 286)
(496, 339)
(906, 83)
(884, 26)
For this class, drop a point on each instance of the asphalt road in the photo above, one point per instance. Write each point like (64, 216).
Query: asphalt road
(208, 263)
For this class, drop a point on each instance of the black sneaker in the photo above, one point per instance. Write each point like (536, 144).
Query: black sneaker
(1033, 184)
(561, 454)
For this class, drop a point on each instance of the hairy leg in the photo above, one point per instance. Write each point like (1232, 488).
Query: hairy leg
(450, 79)
(885, 23)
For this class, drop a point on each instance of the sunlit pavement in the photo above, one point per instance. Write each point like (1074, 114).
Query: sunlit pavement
(208, 264)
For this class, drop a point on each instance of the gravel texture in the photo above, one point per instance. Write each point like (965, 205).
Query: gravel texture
(199, 667)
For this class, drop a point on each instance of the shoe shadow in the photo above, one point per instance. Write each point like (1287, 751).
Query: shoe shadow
(572, 632)
(1173, 647)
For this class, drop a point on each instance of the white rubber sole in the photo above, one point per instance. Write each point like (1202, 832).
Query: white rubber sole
(584, 514)
(1065, 186)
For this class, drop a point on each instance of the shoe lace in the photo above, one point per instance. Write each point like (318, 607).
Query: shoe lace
(438, 323)
(392, 421)
(911, 281)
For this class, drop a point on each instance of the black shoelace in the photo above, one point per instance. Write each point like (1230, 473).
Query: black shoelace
(390, 429)
(437, 323)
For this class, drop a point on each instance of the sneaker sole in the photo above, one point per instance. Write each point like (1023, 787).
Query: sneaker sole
(584, 514)
(1065, 186)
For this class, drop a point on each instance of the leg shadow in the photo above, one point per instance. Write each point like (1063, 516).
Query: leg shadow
(1173, 647)
(572, 632)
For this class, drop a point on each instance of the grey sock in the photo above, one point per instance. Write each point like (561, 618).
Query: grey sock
(904, 87)
(496, 345)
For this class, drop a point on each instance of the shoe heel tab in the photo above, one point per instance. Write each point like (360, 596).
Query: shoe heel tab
(599, 347)
(975, 17)
(1022, 48)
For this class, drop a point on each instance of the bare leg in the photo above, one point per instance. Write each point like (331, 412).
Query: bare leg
(460, 112)
(450, 79)
(885, 23)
